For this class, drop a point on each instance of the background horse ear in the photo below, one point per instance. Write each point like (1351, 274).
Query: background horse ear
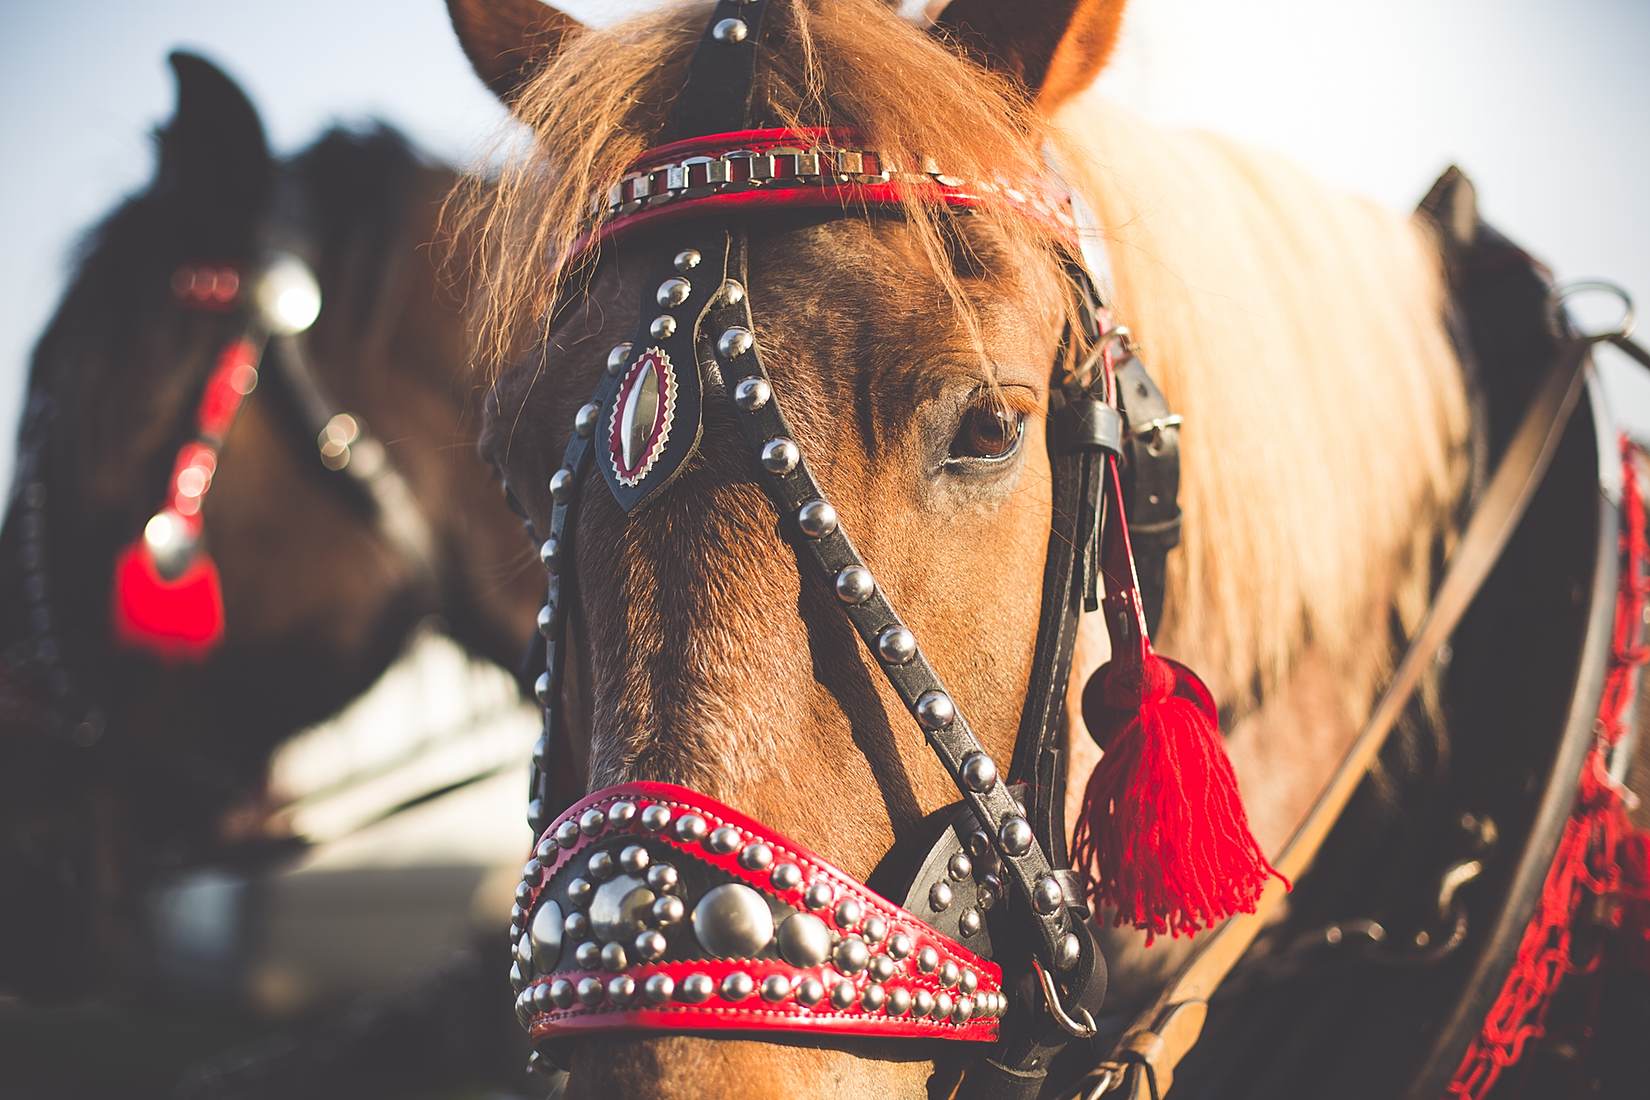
(1053, 48)
(507, 41)
(214, 147)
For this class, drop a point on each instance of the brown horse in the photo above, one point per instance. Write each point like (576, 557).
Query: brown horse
(118, 762)
(1304, 334)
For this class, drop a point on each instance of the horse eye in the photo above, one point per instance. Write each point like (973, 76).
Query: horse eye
(988, 431)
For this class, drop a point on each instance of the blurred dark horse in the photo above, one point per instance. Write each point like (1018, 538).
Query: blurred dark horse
(115, 762)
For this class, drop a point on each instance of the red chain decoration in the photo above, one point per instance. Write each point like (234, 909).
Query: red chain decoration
(1601, 853)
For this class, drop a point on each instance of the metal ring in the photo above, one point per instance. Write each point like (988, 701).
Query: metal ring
(1084, 1029)
(1559, 296)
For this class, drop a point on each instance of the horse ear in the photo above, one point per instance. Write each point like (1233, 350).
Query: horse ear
(507, 41)
(1054, 48)
(213, 151)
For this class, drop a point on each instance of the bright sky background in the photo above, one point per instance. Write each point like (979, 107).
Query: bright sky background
(1541, 102)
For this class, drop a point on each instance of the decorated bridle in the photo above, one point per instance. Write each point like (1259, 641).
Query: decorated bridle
(651, 906)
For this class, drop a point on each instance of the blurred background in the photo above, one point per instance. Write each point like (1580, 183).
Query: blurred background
(1541, 103)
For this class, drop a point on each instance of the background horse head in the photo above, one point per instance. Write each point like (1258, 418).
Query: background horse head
(135, 764)
(1300, 332)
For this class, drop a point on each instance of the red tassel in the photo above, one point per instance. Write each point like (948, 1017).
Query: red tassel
(1163, 828)
(179, 619)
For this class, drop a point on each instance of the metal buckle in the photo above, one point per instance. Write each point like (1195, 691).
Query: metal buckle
(1077, 1029)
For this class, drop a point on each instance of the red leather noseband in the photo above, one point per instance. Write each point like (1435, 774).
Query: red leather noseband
(653, 906)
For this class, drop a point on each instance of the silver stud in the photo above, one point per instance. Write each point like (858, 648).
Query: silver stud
(804, 940)
(561, 484)
(1067, 952)
(617, 358)
(567, 834)
(532, 871)
(575, 926)
(990, 891)
(732, 921)
(935, 710)
(899, 1001)
(541, 999)
(756, 857)
(673, 292)
(950, 973)
(579, 892)
(634, 858)
(979, 771)
(928, 960)
(819, 895)
(732, 292)
(811, 991)
(723, 840)
(843, 995)
(786, 876)
(659, 987)
(752, 393)
(816, 519)
(735, 342)
(970, 981)
(848, 913)
(663, 327)
(737, 986)
(545, 932)
(897, 645)
(729, 30)
(1046, 895)
(668, 911)
(855, 584)
(614, 957)
(541, 689)
(873, 997)
(875, 928)
(964, 1010)
(690, 827)
(621, 989)
(899, 945)
(851, 955)
(969, 923)
(584, 422)
(979, 843)
(1015, 835)
(882, 968)
(939, 897)
(590, 991)
(655, 817)
(547, 621)
(591, 822)
(589, 955)
(922, 1003)
(602, 866)
(518, 980)
(780, 456)
(561, 992)
(696, 988)
(621, 812)
(650, 945)
(662, 877)
(943, 1004)
(960, 866)
(687, 259)
(776, 987)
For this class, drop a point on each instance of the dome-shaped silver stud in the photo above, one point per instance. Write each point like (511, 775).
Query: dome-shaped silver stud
(851, 955)
(939, 897)
(874, 929)
(618, 358)
(690, 827)
(561, 485)
(732, 292)
(668, 911)
(943, 1005)
(663, 327)
(899, 1001)
(817, 519)
(1067, 952)
(843, 995)
(811, 991)
(547, 620)
(922, 1003)
(882, 968)
(873, 998)
(1046, 895)
(854, 584)
(752, 393)
(928, 960)
(541, 689)
(662, 877)
(990, 891)
(561, 993)
(621, 812)
(655, 817)
(724, 840)
(804, 940)
(687, 259)
(1015, 835)
(580, 891)
(729, 30)
(620, 990)
(634, 858)
(696, 988)
(776, 987)
(673, 292)
(964, 1010)
(969, 922)
(518, 980)
(584, 422)
(979, 771)
(735, 342)
(567, 833)
(786, 876)
(614, 957)
(848, 913)
(602, 866)
(576, 926)
(650, 945)
(935, 710)
(756, 857)
(737, 986)
(959, 866)
(780, 456)
(658, 988)
(970, 982)
(592, 821)
(896, 645)
(588, 955)
(899, 945)
(590, 990)
(732, 921)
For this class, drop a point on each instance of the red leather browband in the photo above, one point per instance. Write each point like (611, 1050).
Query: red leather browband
(651, 906)
(781, 168)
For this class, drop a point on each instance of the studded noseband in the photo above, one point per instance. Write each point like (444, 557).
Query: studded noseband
(654, 907)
